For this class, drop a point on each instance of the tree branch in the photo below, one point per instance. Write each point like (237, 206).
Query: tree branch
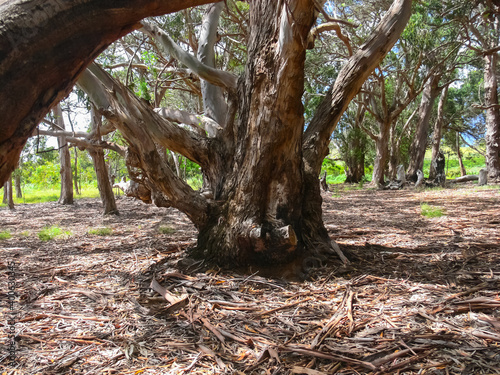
(349, 82)
(214, 76)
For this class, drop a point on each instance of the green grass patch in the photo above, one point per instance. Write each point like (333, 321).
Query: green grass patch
(5, 235)
(165, 229)
(103, 231)
(32, 194)
(431, 211)
(49, 233)
(25, 233)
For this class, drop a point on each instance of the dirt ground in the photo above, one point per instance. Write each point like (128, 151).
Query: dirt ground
(419, 296)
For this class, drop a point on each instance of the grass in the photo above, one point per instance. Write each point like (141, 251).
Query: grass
(5, 235)
(103, 231)
(431, 211)
(33, 194)
(165, 229)
(49, 233)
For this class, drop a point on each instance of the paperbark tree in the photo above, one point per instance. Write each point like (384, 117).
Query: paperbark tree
(101, 170)
(66, 195)
(438, 131)
(45, 45)
(261, 167)
(481, 33)
(419, 144)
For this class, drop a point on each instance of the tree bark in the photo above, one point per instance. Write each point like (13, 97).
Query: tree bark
(381, 154)
(463, 172)
(214, 104)
(5, 193)
(10, 195)
(101, 171)
(66, 196)
(356, 149)
(265, 203)
(75, 33)
(419, 144)
(75, 176)
(17, 183)
(492, 116)
(438, 131)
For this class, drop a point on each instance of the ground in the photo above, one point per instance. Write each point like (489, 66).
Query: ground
(420, 296)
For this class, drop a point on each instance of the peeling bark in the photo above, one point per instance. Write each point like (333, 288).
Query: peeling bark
(492, 116)
(419, 144)
(66, 195)
(45, 45)
(438, 131)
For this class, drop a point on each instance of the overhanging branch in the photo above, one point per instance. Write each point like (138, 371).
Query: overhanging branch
(214, 76)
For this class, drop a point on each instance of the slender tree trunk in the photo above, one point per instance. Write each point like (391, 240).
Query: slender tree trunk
(17, 183)
(355, 150)
(419, 144)
(75, 176)
(492, 117)
(8, 192)
(101, 171)
(66, 196)
(463, 172)
(5, 193)
(438, 131)
(381, 155)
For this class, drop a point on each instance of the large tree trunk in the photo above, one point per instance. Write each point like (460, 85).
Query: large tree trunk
(419, 144)
(66, 196)
(101, 170)
(438, 132)
(265, 204)
(492, 116)
(75, 33)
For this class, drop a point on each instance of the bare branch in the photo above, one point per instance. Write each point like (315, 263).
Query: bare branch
(214, 76)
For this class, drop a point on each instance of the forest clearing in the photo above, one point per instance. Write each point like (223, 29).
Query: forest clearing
(420, 295)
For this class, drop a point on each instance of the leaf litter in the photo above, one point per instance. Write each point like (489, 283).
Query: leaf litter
(420, 295)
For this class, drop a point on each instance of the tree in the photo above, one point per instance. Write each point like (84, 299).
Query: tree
(262, 167)
(33, 80)
(260, 164)
(101, 170)
(481, 33)
(66, 196)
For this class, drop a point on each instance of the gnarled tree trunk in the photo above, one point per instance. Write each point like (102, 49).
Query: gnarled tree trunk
(75, 33)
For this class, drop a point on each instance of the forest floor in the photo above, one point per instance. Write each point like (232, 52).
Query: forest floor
(420, 295)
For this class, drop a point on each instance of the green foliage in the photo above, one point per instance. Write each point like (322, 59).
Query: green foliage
(5, 235)
(102, 231)
(49, 233)
(430, 211)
